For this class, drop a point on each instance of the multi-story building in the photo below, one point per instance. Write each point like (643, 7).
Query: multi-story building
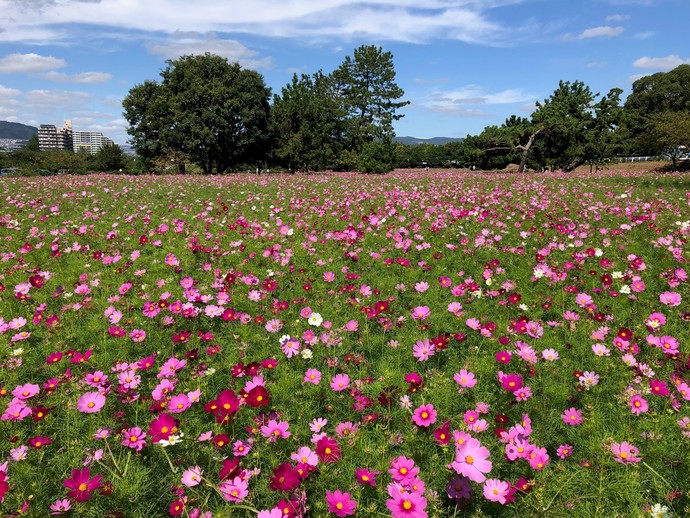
(51, 137)
(90, 141)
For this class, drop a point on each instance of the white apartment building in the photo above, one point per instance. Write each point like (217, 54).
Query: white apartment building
(51, 137)
(90, 141)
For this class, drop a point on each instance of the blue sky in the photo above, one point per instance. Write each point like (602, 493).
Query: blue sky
(464, 64)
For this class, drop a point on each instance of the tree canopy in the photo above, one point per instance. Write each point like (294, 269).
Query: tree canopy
(212, 111)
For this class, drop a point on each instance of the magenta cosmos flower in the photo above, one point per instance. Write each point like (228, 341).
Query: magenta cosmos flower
(471, 460)
(424, 416)
(91, 402)
(625, 453)
(406, 505)
(573, 417)
(134, 438)
(81, 484)
(340, 503)
(163, 427)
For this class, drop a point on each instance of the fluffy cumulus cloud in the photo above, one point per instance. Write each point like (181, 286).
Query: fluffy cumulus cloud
(604, 31)
(193, 43)
(29, 63)
(663, 63)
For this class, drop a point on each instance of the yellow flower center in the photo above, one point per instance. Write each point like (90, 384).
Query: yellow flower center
(407, 505)
(469, 459)
(82, 487)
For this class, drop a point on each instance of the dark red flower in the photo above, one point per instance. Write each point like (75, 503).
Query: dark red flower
(284, 478)
(328, 450)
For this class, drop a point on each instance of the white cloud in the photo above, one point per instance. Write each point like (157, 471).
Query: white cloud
(617, 17)
(192, 43)
(7, 93)
(51, 99)
(29, 63)
(644, 35)
(597, 64)
(605, 31)
(396, 20)
(83, 78)
(663, 63)
(456, 101)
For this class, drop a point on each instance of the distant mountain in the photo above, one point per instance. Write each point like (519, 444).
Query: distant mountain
(14, 130)
(436, 141)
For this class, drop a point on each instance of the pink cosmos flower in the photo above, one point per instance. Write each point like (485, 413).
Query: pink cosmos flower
(625, 453)
(171, 367)
(91, 402)
(406, 505)
(340, 503)
(496, 490)
(305, 455)
(137, 335)
(573, 417)
(178, 404)
(421, 286)
(421, 313)
(471, 460)
(273, 430)
(352, 326)
(403, 469)
(340, 382)
(312, 376)
(564, 451)
(241, 448)
(424, 416)
(60, 506)
(670, 298)
(549, 355)
(423, 350)
(192, 476)
(26, 391)
(134, 438)
(235, 490)
(638, 404)
(366, 477)
(465, 378)
(346, 429)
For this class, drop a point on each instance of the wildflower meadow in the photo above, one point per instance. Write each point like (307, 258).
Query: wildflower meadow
(409, 345)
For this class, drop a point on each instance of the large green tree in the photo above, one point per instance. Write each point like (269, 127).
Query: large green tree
(306, 123)
(663, 92)
(212, 111)
(365, 84)
(671, 132)
(574, 129)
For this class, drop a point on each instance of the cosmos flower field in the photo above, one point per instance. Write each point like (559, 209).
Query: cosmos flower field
(410, 345)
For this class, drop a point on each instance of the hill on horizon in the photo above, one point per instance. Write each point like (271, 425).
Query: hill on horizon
(436, 141)
(15, 130)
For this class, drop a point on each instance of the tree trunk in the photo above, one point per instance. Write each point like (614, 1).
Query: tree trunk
(526, 148)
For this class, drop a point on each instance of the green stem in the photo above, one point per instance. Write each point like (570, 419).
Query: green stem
(657, 474)
(116, 475)
(167, 457)
(548, 506)
(112, 457)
